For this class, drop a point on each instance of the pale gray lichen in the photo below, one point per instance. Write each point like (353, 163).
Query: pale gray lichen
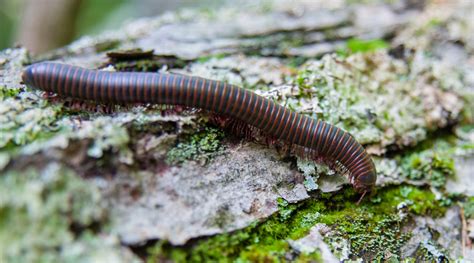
(202, 146)
(242, 70)
(106, 134)
(42, 212)
(377, 98)
(309, 171)
(440, 21)
(25, 120)
(32, 125)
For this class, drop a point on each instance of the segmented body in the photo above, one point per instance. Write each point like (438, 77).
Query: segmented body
(318, 137)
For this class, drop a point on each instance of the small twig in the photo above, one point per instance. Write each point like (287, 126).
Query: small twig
(362, 197)
(464, 236)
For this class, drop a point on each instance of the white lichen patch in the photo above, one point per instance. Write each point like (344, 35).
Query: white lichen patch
(105, 133)
(25, 120)
(242, 70)
(377, 98)
(40, 207)
(440, 21)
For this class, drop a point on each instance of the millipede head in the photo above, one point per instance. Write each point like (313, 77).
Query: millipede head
(365, 182)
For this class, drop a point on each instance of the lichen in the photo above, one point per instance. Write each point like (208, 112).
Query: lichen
(310, 173)
(201, 146)
(105, 135)
(244, 71)
(352, 93)
(25, 120)
(447, 21)
(374, 230)
(48, 215)
(149, 65)
(431, 252)
(430, 166)
(433, 161)
(49, 133)
(35, 125)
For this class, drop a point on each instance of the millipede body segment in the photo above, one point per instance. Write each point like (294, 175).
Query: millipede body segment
(319, 138)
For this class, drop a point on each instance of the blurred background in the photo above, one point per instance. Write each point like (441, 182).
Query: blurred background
(42, 25)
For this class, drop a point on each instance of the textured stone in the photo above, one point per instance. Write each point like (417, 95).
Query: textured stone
(186, 202)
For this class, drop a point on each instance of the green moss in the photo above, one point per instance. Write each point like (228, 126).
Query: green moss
(201, 146)
(311, 257)
(214, 56)
(8, 92)
(355, 45)
(374, 239)
(434, 22)
(359, 45)
(428, 165)
(373, 229)
(48, 215)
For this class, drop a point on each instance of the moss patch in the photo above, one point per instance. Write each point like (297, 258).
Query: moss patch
(372, 229)
(8, 92)
(355, 45)
(358, 45)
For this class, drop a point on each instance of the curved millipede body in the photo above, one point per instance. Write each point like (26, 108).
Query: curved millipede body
(317, 137)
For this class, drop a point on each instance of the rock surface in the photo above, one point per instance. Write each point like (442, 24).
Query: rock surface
(186, 202)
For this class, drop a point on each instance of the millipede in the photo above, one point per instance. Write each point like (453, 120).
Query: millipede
(318, 139)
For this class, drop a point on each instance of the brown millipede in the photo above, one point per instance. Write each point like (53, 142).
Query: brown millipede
(318, 138)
